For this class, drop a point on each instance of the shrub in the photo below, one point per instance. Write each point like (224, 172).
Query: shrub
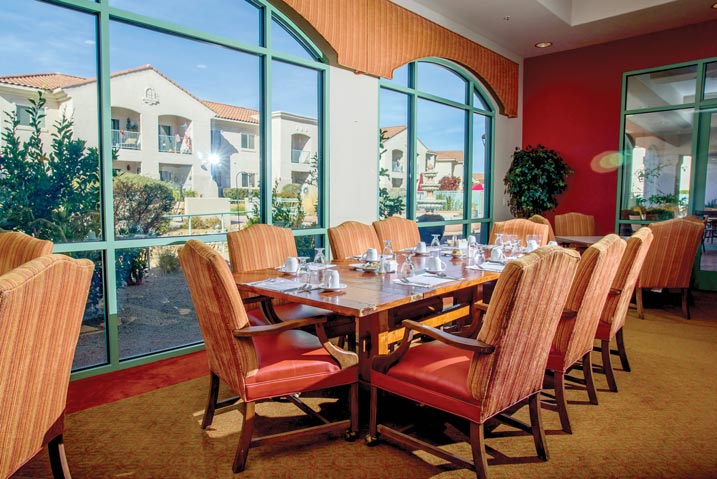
(140, 205)
(168, 259)
(449, 183)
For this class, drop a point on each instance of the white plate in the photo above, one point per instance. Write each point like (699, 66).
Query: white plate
(435, 271)
(340, 287)
(369, 268)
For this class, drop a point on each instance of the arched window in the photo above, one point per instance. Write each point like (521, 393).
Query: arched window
(436, 113)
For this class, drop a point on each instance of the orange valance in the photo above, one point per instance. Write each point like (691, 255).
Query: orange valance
(376, 37)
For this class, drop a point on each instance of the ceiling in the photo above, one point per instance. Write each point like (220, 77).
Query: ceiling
(517, 25)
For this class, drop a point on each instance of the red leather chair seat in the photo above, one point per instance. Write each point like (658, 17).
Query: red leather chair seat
(603, 331)
(556, 361)
(433, 372)
(293, 361)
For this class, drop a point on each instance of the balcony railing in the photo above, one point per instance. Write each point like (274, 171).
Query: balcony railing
(169, 144)
(299, 156)
(126, 140)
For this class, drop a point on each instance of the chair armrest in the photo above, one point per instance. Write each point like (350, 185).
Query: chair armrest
(459, 342)
(614, 292)
(481, 306)
(255, 299)
(568, 314)
(270, 329)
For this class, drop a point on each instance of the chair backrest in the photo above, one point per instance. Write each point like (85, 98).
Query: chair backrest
(17, 248)
(41, 307)
(403, 233)
(352, 238)
(544, 221)
(574, 224)
(588, 292)
(219, 311)
(521, 320)
(670, 258)
(631, 263)
(260, 246)
(520, 227)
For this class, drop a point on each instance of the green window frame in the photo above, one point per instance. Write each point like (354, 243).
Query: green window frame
(476, 104)
(109, 245)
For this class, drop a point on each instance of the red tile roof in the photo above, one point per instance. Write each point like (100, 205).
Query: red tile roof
(43, 81)
(450, 155)
(391, 131)
(231, 112)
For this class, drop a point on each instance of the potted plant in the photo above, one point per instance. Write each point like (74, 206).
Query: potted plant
(535, 178)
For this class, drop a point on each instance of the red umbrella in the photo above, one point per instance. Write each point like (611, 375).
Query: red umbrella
(420, 182)
(477, 187)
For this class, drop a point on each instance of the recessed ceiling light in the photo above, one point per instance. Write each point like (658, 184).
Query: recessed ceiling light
(543, 44)
(714, 5)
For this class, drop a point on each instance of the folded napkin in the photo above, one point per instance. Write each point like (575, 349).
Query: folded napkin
(319, 267)
(424, 280)
(488, 266)
(278, 284)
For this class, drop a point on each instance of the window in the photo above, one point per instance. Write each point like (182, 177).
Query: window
(247, 141)
(435, 114)
(24, 118)
(189, 148)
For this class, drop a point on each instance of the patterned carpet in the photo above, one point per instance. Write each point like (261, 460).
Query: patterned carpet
(662, 423)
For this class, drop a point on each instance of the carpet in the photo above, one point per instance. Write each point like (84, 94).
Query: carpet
(662, 424)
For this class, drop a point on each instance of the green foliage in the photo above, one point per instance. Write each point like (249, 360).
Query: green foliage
(131, 266)
(140, 205)
(389, 205)
(240, 193)
(282, 214)
(535, 177)
(51, 194)
(449, 183)
(168, 259)
(189, 193)
(451, 202)
(290, 190)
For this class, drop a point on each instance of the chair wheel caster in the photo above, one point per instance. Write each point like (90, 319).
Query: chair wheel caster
(350, 436)
(371, 440)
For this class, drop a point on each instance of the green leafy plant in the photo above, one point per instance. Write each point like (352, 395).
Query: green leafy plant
(168, 259)
(141, 204)
(535, 178)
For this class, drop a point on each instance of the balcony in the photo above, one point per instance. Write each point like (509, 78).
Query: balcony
(126, 140)
(300, 156)
(174, 144)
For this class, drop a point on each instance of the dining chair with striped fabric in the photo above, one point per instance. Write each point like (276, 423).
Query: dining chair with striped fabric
(520, 227)
(42, 303)
(262, 362)
(544, 221)
(670, 260)
(402, 232)
(575, 336)
(17, 248)
(262, 246)
(612, 318)
(480, 378)
(352, 238)
(574, 224)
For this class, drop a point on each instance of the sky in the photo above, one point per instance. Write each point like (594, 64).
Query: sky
(64, 41)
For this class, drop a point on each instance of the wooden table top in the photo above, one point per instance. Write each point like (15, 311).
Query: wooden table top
(367, 293)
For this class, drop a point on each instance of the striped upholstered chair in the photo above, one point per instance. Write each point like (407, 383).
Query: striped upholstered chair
(41, 308)
(574, 224)
(261, 246)
(352, 238)
(670, 259)
(261, 362)
(477, 379)
(613, 314)
(17, 248)
(544, 221)
(520, 227)
(575, 336)
(403, 233)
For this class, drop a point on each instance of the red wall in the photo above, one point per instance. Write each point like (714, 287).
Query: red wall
(571, 103)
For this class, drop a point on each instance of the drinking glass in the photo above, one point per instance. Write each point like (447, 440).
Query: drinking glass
(388, 250)
(436, 243)
(478, 257)
(407, 267)
(499, 240)
(303, 275)
(319, 258)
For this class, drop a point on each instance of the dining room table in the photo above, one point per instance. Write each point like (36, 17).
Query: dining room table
(374, 301)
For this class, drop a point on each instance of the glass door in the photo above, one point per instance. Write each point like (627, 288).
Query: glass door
(705, 204)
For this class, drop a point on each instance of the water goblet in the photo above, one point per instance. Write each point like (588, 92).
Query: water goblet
(388, 250)
(407, 267)
(303, 275)
(436, 242)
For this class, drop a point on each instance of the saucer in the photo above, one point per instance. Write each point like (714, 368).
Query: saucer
(283, 270)
(435, 271)
(338, 288)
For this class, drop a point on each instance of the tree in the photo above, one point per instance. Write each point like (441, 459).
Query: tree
(51, 194)
(535, 177)
(387, 205)
(141, 204)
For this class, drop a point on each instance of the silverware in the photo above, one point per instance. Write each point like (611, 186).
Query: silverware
(444, 275)
(414, 283)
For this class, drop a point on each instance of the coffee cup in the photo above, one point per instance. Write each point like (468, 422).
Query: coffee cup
(552, 243)
(331, 279)
(497, 254)
(435, 264)
(291, 265)
(371, 254)
(421, 247)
